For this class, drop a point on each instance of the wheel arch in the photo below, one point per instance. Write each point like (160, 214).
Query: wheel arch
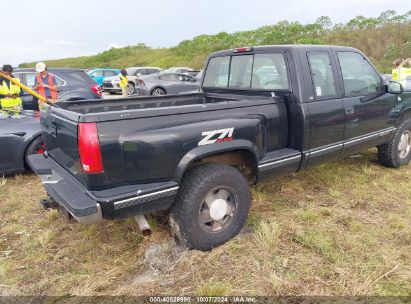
(405, 114)
(158, 87)
(28, 142)
(239, 153)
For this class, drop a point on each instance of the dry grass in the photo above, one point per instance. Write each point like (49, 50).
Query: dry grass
(342, 228)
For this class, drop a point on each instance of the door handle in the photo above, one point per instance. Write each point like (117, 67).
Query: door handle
(349, 110)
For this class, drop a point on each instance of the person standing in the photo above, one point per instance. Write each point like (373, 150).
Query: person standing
(123, 82)
(46, 84)
(10, 94)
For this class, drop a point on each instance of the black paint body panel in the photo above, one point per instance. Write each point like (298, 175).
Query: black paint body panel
(152, 140)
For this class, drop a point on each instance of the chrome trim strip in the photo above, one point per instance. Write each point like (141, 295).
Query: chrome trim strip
(145, 195)
(377, 134)
(325, 149)
(280, 161)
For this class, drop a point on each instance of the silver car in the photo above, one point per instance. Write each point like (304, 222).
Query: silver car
(168, 83)
(112, 84)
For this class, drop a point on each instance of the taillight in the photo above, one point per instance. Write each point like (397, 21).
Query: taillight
(89, 148)
(96, 89)
(140, 83)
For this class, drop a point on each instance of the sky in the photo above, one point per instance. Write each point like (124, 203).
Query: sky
(49, 29)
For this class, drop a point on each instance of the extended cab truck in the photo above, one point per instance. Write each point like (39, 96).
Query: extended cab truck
(262, 111)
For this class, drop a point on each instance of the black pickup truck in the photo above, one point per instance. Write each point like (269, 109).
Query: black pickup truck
(262, 111)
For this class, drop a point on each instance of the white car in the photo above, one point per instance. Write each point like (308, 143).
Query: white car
(180, 70)
(112, 84)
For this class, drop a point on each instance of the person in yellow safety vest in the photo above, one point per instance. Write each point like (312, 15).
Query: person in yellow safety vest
(123, 82)
(10, 93)
(400, 73)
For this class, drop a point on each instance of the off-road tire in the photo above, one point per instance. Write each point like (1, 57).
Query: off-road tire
(388, 153)
(185, 212)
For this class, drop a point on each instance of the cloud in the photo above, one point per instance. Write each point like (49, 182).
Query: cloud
(64, 43)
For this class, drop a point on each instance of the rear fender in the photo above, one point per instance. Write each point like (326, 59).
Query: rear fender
(207, 151)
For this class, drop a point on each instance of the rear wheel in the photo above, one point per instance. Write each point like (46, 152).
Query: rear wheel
(158, 91)
(131, 89)
(211, 207)
(35, 147)
(397, 152)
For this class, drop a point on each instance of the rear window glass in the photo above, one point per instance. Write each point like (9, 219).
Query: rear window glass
(98, 73)
(240, 73)
(217, 72)
(80, 76)
(259, 71)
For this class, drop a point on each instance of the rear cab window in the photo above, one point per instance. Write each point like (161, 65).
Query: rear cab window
(261, 71)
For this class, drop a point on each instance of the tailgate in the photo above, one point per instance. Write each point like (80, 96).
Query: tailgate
(59, 129)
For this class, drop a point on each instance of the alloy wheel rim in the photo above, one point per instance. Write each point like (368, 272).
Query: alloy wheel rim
(217, 209)
(130, 89)
(404, 146)
(158, 92)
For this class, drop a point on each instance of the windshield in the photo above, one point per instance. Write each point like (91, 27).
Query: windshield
(131, 72)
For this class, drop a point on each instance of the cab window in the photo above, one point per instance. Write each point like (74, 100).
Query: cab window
(217, 72)
(322, 74)
(269, 72)
(240, 72)
(256, 72)
(359, 76)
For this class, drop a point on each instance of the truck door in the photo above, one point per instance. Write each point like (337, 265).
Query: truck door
(366, 103)
(325, 107)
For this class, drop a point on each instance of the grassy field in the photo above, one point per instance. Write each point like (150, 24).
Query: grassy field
(342, 228)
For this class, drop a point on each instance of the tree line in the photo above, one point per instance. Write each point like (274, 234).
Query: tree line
(383, 39)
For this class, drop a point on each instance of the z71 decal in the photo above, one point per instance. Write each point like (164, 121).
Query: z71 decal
(216, 136)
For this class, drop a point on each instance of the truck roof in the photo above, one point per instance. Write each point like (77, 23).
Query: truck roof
(282, 47)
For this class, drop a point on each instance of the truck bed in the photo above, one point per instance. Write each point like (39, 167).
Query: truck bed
(137, 107)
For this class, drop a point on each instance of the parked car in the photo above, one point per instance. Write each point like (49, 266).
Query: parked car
(167, 83)
(73, 84)
(182, 70)
(20, 136)
(178, 70)
(112, 84)
(197, 154)
(99, 75)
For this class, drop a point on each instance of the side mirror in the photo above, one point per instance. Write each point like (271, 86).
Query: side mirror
(139, 74)
(394, 87)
